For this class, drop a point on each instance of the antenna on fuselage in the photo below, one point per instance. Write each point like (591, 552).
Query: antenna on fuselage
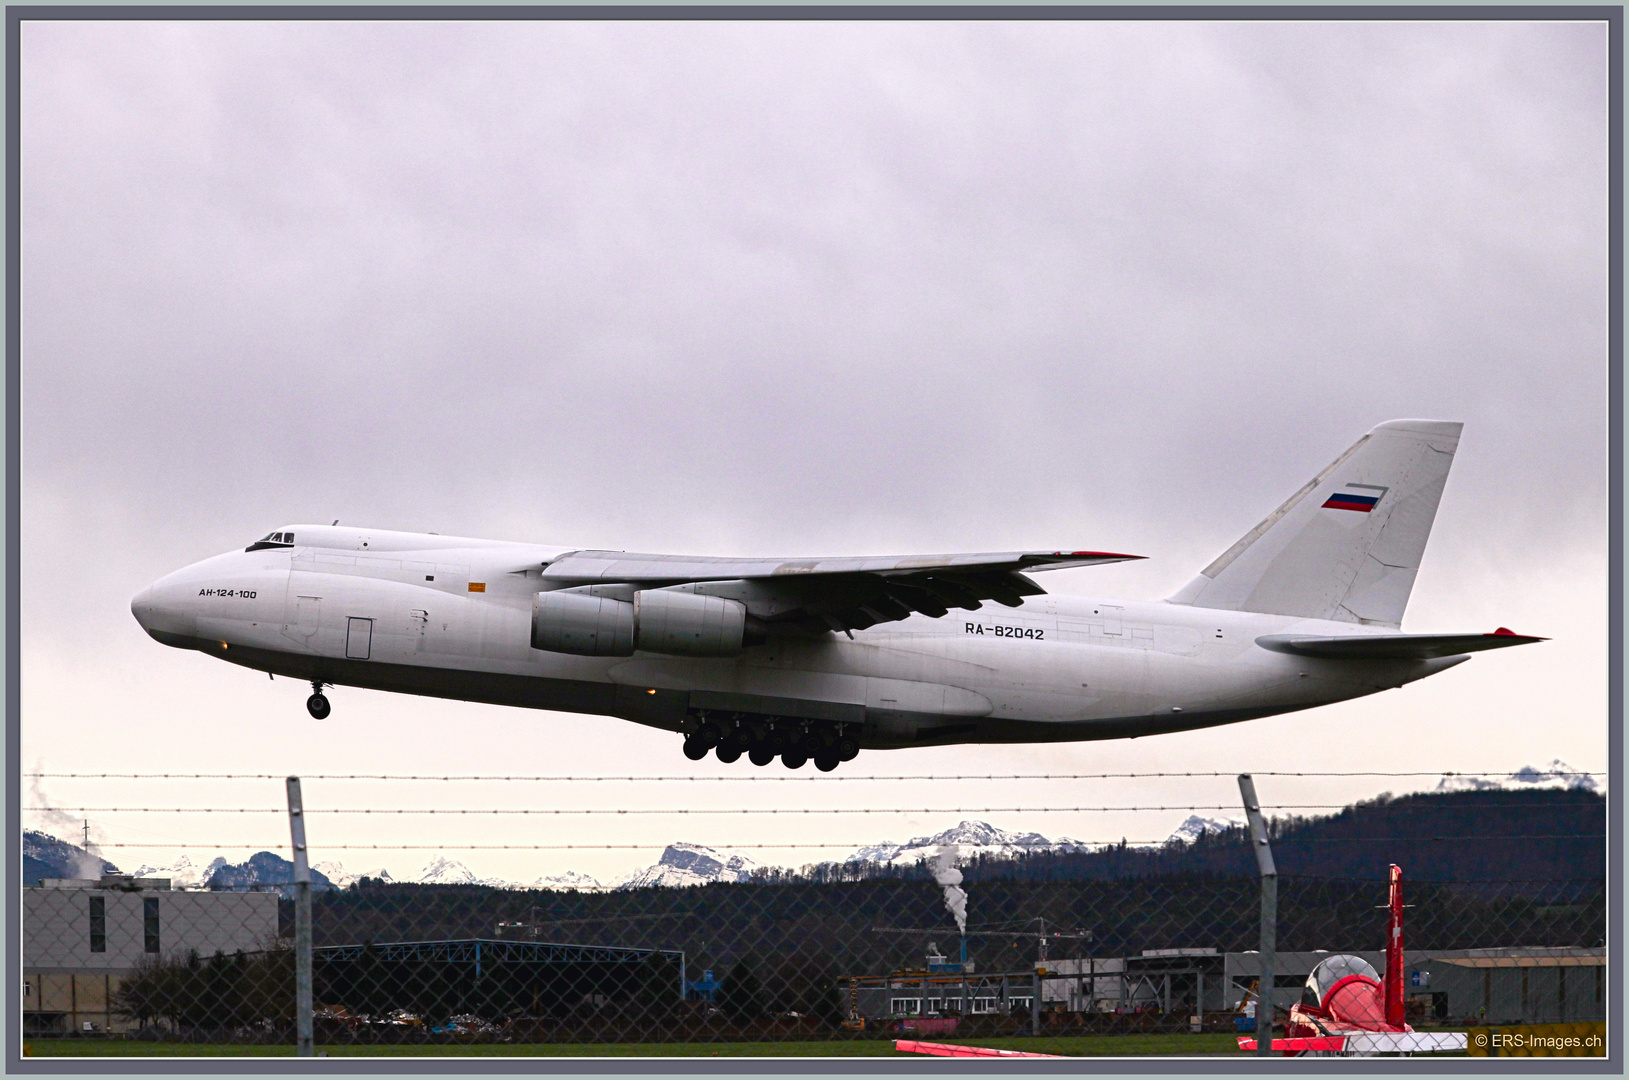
(336, 522)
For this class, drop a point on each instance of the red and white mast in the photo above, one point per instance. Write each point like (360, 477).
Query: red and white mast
(1394, 951)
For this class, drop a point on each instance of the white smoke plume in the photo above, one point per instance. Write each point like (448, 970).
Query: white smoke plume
(88, 864)
(950, 879)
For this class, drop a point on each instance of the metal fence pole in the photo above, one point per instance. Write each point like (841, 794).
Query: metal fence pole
(1269, 915)
(302, 923)
(1035, 1001)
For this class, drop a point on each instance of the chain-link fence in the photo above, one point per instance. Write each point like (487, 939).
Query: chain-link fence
(1054, 956)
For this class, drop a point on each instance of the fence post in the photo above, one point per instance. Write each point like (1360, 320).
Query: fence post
(1269, 915)
(1035, 1001)
(302, 923)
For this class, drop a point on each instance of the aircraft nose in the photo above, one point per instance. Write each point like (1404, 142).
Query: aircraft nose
(142, 605)
(164, 614)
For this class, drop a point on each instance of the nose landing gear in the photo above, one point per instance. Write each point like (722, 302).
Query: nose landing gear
(317, 705)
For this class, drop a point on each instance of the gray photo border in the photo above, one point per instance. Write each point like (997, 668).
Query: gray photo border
(1613, 16)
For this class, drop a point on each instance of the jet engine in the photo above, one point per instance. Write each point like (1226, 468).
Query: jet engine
(655, 620)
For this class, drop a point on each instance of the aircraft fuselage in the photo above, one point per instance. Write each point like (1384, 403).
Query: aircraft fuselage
(452, 617)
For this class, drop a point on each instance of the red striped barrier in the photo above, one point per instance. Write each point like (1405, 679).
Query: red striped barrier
(911, 1046)
(1326, 1043)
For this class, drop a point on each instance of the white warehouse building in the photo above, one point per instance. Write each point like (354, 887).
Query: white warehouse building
(81, 937)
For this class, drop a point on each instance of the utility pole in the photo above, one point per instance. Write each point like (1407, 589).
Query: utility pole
(302, 923)
(1269, 915)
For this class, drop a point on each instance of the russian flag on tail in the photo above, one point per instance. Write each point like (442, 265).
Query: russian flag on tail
(1359, 497)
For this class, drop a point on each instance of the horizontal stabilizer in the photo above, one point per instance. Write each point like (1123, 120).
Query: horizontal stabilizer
(1392, 646)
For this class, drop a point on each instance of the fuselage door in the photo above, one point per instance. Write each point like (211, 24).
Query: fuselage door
(358, 638)
(1111, 616)
(307, 615)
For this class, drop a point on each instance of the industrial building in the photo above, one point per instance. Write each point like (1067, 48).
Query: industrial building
(82, 937)
(910, 994)
(1496, 986)
(1514, 985)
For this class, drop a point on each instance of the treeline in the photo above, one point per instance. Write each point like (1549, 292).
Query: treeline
(1461, 836)
(222, 998)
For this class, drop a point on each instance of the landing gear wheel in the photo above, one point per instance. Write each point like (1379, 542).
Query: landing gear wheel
(793, 759)
(848, 747)
(693, 748)
(826, 760)
(811, 745)
(760, 756)
(318, 707)
(707, 736)
(728, 752)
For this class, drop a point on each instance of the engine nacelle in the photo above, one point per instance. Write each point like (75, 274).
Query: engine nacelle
(675, 623)
(584, 625)
(685, 624)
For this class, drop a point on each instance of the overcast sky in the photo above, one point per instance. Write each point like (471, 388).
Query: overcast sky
(794, 289)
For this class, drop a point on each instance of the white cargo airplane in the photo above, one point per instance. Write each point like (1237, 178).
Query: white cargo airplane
(815, 658)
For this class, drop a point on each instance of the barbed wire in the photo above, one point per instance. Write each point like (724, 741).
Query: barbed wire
(797, 845)
(750, 778)
(312, 810)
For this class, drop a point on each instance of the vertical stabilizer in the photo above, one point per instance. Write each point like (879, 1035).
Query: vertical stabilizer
(1347, 545)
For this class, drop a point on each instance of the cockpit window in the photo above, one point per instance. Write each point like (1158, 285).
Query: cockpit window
(272, 540)
(1331, 971)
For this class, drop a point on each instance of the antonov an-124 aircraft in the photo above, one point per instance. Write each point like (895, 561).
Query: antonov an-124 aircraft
(815, 659)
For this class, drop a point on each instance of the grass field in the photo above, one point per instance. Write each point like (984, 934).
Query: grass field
(1072, 1046)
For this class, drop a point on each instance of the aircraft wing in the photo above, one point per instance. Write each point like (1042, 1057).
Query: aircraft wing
(846, 593)
(1392, 646)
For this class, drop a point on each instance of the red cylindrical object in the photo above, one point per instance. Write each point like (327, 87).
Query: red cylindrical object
(1394, 951)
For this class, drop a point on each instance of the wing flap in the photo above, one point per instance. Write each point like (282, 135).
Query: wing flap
(591, 567)
(1392, 646)
(838, 594)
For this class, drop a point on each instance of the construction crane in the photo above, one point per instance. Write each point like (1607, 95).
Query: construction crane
(1041, 936)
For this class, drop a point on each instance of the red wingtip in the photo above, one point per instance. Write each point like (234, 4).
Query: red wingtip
(1503, 631)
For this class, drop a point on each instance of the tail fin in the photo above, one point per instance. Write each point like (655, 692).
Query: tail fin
(1347, 545)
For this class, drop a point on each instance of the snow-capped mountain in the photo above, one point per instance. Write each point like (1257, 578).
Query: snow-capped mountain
(183, 873)
(444, 871)
(343, 878)
(691, 864)
(971, 838)
(261, 868)
(44, 856)
(1197, 826)
(571, 879)
(1556, 776)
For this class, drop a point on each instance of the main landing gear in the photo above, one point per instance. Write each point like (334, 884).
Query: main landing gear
(763, 739)
(317, 705)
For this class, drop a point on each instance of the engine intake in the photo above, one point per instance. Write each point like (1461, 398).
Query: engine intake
(675, 623)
